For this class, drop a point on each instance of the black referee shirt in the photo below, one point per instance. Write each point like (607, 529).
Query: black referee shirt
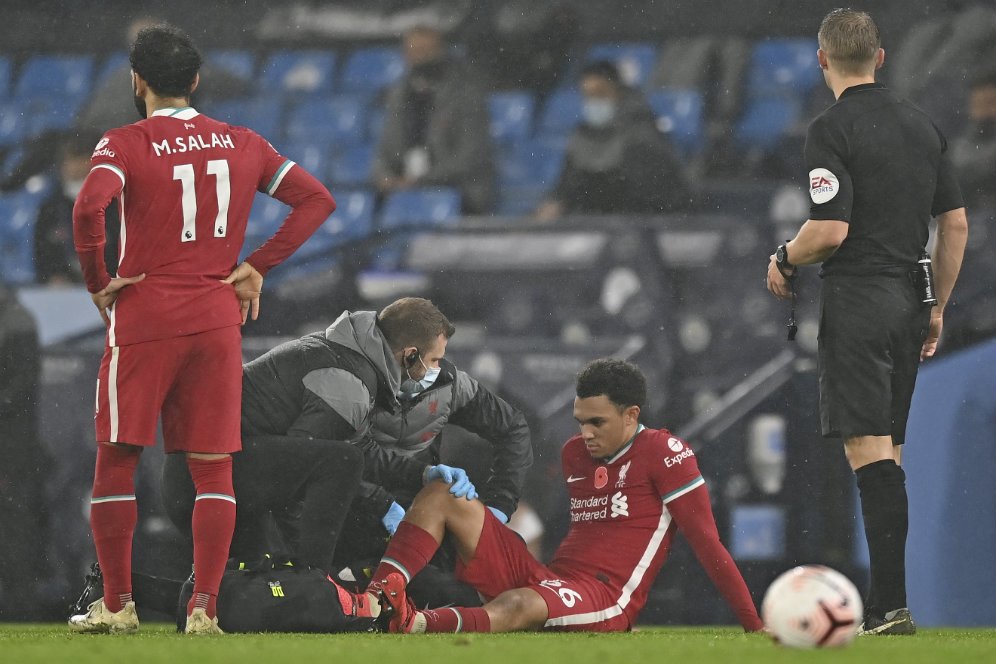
(878, 163)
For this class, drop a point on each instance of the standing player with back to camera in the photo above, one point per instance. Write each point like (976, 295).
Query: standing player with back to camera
(878, 173)
(630, 487)
(185, 184)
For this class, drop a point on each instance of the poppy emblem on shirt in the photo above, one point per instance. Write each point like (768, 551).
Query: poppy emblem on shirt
(601, 477)
(823, 185)
(433, 407)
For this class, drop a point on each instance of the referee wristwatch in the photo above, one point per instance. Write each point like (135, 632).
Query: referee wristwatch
(782, 262)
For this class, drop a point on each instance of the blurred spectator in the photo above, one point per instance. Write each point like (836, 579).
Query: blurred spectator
(973, 152)
(55, 256)
(935, 58)
(617, 161)
(110, 104)
(21, 473)
(436, 126)
(523, 44)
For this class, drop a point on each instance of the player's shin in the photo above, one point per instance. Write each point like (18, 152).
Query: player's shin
(212, 525)
(113, 515)
(457, 619)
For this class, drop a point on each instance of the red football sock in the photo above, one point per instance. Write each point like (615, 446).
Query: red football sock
(113, 515)
(212, 524)
(457, 619)
(410, 549)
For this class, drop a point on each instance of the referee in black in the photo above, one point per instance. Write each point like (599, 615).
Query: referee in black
(877, 174)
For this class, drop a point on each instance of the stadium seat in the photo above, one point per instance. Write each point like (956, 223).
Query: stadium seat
(312, 156)
(511, 115)
(55, 77)
(527, 171)
(14, 123)
(635, 61)
(783, 66)
(18, 213)
(765, 122)
(238, 63)
(421, 207)
(370, 70)
(352, 165)
(297, 72)
(561, 112)
(113, 62)
(261, 114)
(338, 119)
(351, 221)
(679, 115)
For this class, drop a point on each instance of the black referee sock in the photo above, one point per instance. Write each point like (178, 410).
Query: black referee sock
(885, 509)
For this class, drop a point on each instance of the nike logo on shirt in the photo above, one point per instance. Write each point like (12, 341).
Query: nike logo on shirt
(571, 478)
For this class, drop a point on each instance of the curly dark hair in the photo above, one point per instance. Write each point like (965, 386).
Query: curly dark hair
(622, 382)
(165, 57)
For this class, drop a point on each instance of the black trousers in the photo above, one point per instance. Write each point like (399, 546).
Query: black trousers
(292, 495)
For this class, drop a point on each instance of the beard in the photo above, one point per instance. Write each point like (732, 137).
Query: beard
(140, 106)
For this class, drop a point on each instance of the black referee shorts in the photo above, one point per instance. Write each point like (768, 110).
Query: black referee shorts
(872, 329)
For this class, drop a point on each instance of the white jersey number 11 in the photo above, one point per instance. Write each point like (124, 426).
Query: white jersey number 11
(185, 174)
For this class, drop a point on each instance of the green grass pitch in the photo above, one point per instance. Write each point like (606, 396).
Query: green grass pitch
(159, 643)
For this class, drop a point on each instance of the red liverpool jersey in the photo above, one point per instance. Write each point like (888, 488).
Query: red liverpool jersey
(188, 183)
(621, 529)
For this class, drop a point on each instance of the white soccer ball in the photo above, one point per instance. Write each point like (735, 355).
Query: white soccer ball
(812, 606)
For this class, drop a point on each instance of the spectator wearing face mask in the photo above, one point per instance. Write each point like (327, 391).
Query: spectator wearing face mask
(617, 161)
(54, 255)
(973, 152)
(436, 127)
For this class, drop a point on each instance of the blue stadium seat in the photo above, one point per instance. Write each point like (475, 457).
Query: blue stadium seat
(264, 219)
(421, 207)
(299, 72)
(264, 115)
(369, 70)
(561, 112)
(238, 63)
(527, 171)
(511, 115)
(352, 165)
(352, 220)
(312, 156)
(679, 115)
(635, 61)
(5, 75)
(765, 121)
(18, 213)
(55, 77)
(113, 62)
(783, 66)
(375, 123)
(14, 123)
(339, 119)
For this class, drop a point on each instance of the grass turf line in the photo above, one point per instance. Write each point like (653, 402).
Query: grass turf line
(50, 643)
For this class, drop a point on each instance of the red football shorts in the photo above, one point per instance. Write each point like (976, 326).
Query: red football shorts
(574, 602)
(195, 382)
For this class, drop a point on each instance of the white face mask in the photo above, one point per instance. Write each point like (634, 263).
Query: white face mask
(430, 377)
(598, 112)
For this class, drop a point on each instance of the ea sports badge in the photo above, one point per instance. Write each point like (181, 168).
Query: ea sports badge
(823, 185)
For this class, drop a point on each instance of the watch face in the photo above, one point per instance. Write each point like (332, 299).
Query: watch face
(780, 254)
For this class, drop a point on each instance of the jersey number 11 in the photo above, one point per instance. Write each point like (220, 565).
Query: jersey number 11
(185, 174)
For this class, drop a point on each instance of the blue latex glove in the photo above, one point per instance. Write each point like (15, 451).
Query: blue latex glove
(498, 514)
(395, 513)
(457, 478)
